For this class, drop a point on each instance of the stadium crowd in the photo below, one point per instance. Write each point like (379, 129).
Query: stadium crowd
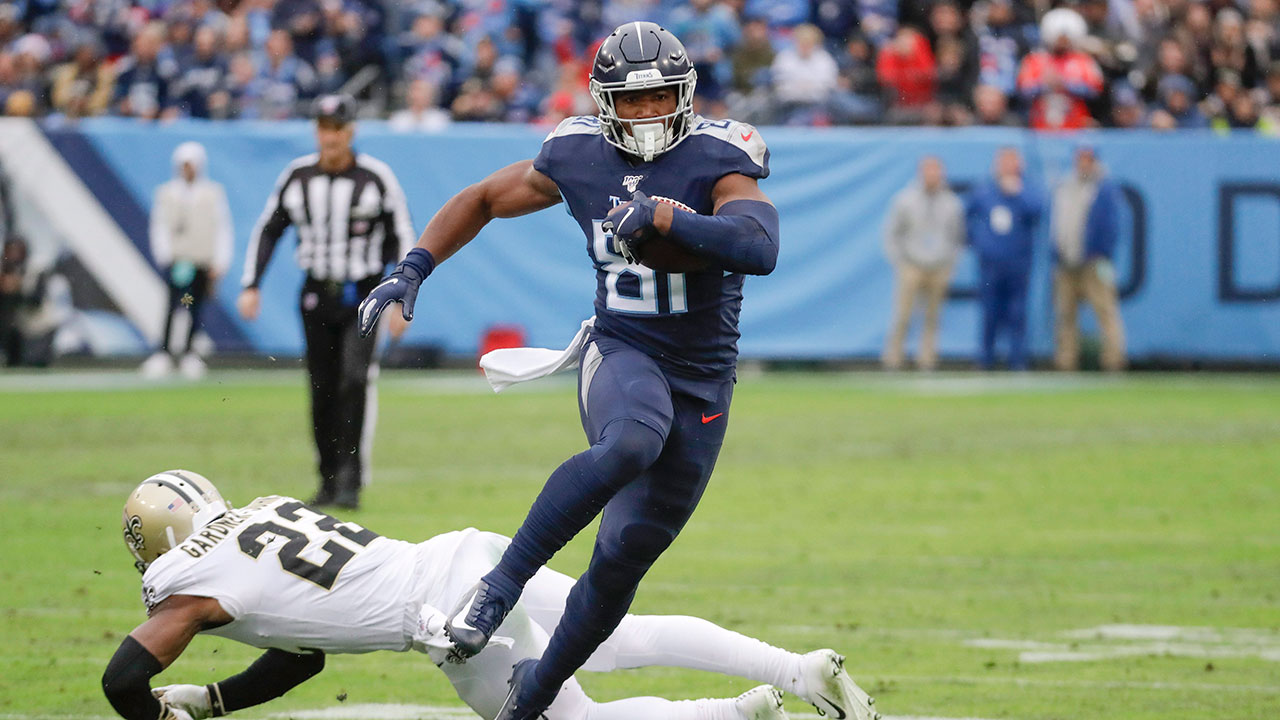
(1162, 64)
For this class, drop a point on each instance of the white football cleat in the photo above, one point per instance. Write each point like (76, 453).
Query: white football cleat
(830, 689)
(157, 366)
(761, 703)
(192, 367)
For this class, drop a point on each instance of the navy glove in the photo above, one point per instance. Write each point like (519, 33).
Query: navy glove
(400, 286)
(631, 225)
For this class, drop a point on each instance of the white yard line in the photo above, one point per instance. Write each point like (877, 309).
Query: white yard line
(1110, 642)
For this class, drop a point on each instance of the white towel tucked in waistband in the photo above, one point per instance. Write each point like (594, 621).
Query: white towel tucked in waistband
(430, 638)
(508, 366)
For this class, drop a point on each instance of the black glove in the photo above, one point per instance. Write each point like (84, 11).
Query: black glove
(632, 226)
(400, 286)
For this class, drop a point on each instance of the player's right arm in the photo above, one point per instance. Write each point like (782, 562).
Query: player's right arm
(515, 190)
(156, 643)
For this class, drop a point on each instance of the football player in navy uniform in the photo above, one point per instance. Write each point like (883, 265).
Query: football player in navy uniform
(657, 371)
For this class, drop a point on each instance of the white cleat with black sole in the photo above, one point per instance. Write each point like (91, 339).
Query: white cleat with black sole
(761, 703)
(830, 689)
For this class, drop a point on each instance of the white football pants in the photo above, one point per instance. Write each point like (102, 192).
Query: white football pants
(639, 641)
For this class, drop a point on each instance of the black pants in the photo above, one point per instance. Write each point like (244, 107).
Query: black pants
(338, 362)
(191, 295)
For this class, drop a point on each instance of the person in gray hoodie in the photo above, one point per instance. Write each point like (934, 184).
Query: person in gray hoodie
(1085, 226)
(922, 238)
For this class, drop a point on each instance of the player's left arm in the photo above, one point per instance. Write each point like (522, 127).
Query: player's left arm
(742, 234)
(156, 643)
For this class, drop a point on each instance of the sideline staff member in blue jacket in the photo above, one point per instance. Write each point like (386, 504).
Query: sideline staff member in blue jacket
(1001, 218)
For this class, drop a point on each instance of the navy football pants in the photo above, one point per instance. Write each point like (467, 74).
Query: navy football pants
(652, 452)
(1003, 293)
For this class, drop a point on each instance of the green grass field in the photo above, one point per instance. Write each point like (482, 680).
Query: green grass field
(992, 547)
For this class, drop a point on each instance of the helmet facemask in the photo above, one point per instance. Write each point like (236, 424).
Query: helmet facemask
(649, 137)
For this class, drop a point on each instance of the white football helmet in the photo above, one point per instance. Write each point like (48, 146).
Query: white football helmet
(165, 509)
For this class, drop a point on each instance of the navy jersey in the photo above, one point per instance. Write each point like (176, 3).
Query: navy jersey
(688, 322)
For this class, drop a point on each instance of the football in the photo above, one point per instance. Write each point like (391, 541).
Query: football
(664, 255)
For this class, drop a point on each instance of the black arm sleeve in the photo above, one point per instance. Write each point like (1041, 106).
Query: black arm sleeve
(127, 681)
(741, 237)
(270, 676)
(271, 225)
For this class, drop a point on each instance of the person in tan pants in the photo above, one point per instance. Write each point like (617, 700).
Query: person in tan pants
(1085, 225)
(924, 234)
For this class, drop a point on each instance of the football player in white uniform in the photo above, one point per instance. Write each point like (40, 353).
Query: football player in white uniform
(278, 575)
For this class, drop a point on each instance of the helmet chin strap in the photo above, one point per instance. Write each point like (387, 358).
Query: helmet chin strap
(650, 139)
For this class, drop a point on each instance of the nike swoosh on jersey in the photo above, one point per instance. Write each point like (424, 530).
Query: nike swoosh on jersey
(839, 710)
(706, 419)
(747, 136)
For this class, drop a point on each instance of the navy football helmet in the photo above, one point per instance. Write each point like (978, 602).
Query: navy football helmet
(642, 56)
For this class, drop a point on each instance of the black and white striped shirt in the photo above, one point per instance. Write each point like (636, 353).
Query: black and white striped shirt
(350, 225)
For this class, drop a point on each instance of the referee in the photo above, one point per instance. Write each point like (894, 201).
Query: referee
(351, 220)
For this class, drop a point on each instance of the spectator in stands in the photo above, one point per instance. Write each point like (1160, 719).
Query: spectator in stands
(353, 35)
(752, 57)
(83, 85)
(10, 27)
(1244, 114)
(288, 81)
(1003, 39)
(1225, 89)
(991, 107)
(907, 71)
(924, 234)
(476, 102)
(956, 48)
(877, 19)
(569, 98)
(432, 54)
(199, 89)
(1108, 38)
(1176, 108)
(27, 86)
(954, 87)
(1170, 59)
(804, 77)
(857, 98)
(1059, 80)
(421, 113)
(708, 30)
(1127, 110)
(143, 79)
(1085, 222)
(303, 21)
(837, 19)
(191, 241)
(1231, 49)
(749, 96)
(1001, 215)
(1195, 34)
